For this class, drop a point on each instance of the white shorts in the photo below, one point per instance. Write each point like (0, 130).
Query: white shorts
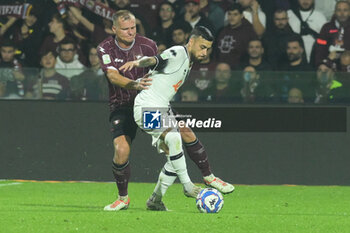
(155, 133)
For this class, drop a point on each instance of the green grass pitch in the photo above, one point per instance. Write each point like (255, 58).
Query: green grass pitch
(34, 207)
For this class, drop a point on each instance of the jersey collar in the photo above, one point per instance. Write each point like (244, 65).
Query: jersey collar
(188, 55)
(127, 49)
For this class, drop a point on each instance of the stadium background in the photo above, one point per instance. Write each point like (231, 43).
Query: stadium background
(68, 141)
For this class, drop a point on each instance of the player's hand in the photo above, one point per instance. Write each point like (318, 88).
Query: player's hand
(129, 65)
(144, 82)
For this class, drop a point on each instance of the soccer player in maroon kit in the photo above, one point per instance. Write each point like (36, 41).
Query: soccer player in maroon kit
(123, 87)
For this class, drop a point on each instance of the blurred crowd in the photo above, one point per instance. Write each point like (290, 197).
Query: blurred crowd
(276, 51)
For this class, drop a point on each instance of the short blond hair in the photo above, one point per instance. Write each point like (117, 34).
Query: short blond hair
(123, 15)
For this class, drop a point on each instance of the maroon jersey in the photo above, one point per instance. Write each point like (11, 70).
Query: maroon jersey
(113, 57)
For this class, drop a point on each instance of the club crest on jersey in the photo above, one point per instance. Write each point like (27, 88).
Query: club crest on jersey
(152, 119)
(106, 59)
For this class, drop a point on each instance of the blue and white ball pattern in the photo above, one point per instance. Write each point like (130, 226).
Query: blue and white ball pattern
(209, 200)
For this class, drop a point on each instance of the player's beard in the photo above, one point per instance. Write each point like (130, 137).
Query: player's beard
(197, 59)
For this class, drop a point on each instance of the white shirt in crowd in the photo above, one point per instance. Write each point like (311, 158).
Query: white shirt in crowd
(69, 69)
(326, 7)
(262, 17)
(315, 19)
(248, 16)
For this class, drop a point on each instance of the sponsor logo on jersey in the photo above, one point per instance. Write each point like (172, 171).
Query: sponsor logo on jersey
(173, 52)
(152, 119)
(118, 60)
(102, 50)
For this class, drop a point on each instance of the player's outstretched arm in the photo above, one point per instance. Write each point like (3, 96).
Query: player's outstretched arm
(117, 79)
(142, 62)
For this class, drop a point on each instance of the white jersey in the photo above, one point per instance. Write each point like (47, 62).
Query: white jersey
(172, 68)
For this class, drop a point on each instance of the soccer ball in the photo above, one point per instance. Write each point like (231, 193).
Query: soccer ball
(209, 200)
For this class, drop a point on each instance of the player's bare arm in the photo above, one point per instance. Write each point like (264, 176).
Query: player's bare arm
(142, 62)
(117, 79)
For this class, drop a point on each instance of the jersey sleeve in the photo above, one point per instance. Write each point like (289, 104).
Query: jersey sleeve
(170, 60)
(154, 48)
(105, 59)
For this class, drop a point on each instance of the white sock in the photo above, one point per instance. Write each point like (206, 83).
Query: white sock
(189, 186)
(166, 178)
(176, 156)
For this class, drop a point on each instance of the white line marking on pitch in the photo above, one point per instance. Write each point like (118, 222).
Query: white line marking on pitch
(1, 185)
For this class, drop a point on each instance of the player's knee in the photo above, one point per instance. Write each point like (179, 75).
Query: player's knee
(164, 147)
(172, 138)
(174, 142)
(122, 148)
(122, 152)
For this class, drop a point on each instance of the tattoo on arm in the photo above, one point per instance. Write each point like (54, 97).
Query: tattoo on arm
(147, 61)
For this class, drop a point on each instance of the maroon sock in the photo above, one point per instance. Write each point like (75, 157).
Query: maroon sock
(198, 155)
(122, 174)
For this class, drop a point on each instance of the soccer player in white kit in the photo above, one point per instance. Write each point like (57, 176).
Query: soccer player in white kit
(170, 70)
